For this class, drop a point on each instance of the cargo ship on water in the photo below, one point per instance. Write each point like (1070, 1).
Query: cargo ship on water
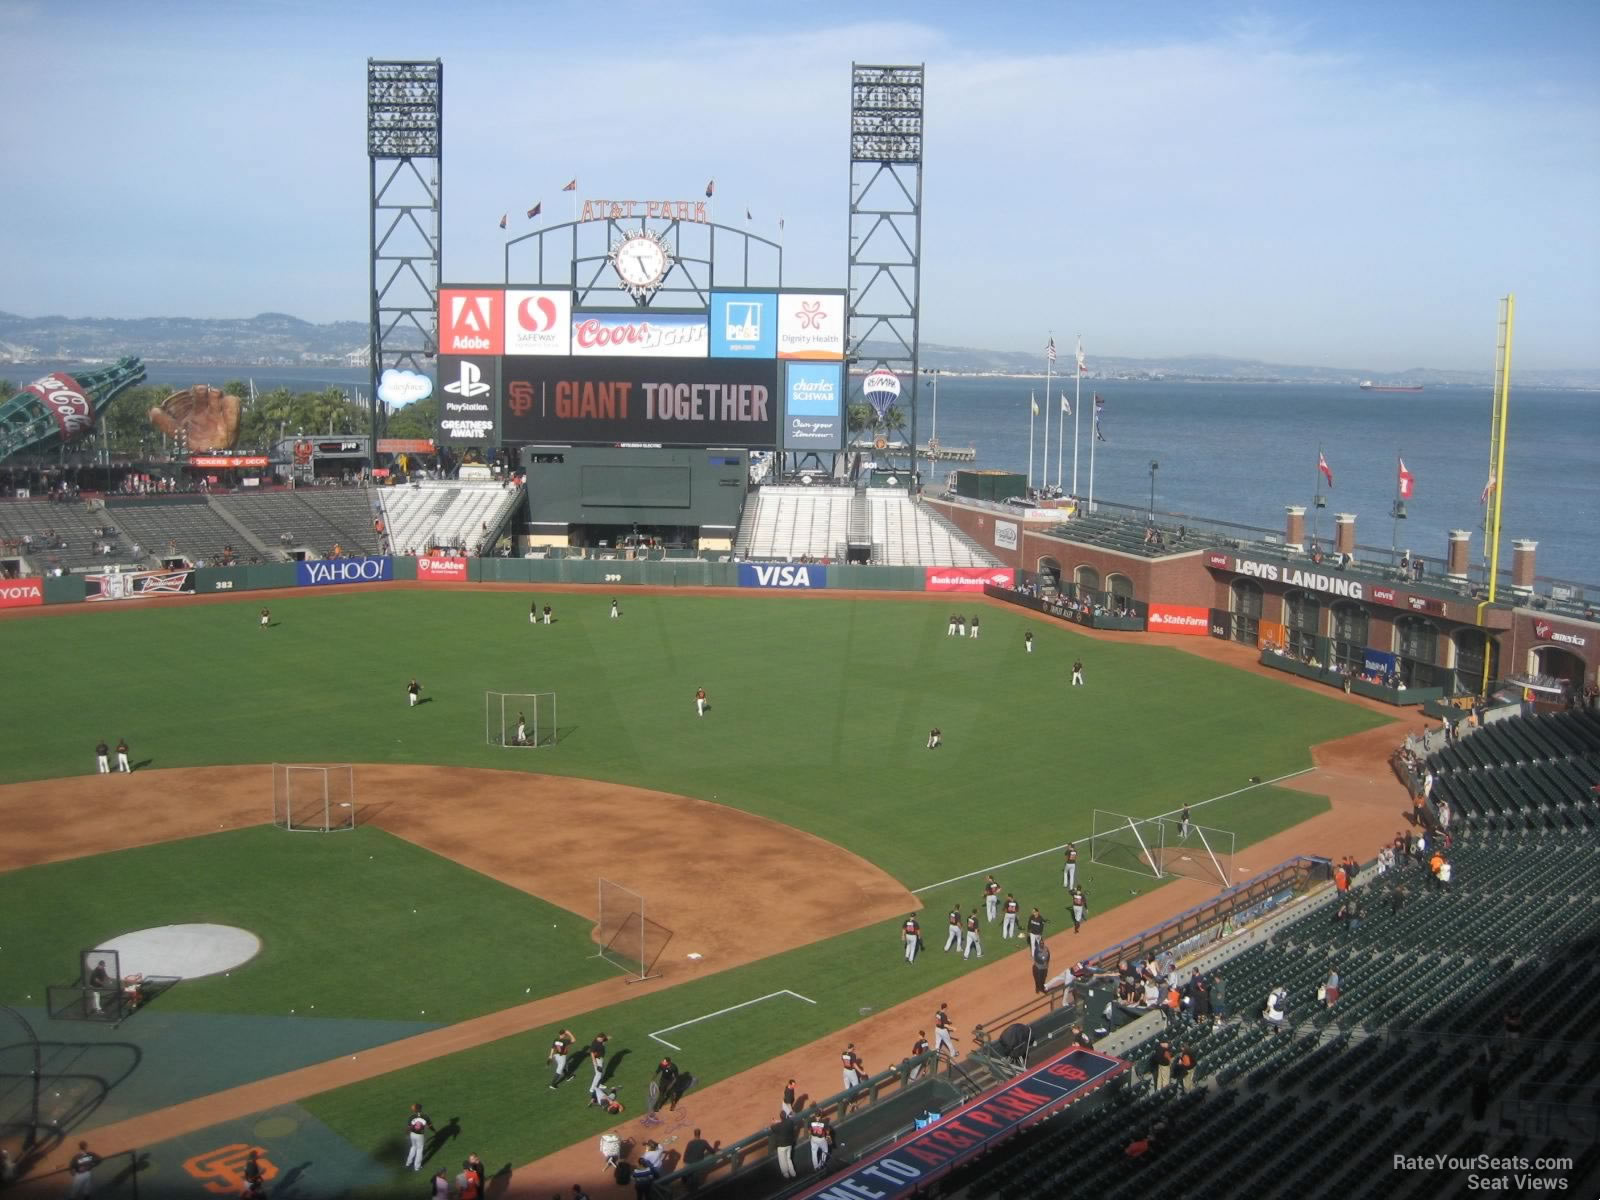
(1368, 386)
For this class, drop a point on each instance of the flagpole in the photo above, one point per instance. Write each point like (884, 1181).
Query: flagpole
(1394, 513)
(1077, 366)
(1044, 467)
(1316, 498)
(1033, 408)
(1094, 427)
(1077, 403)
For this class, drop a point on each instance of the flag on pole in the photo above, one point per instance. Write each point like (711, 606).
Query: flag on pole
(1050, 350)
(536, 210)
(1033, 400)
(1082, 368)
(503, 217)
(747, 214)
(1408, 481)
(1066, 404)
(1488, 490)
(711, 186)
(572, 186)
(780, 224)
(1327, 471)
(1099, 407)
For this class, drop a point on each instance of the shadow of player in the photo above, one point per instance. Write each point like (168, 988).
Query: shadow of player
(612, 1063)
(499, 1183)
(140, 765)
(441, 1138)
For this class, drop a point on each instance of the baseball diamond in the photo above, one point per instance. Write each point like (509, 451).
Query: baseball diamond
(768, 839)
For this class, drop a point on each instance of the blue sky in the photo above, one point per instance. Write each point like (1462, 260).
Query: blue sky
(1349, 184)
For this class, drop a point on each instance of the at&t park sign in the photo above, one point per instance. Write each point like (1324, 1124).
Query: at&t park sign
(1316, 581)
(666, 210)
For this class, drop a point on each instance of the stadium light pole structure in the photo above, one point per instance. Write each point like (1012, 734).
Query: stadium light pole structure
(885, 252)
(405, 170)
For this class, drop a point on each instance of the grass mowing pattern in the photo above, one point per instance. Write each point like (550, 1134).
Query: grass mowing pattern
(334, 915)
(820, 708)
(820, 711)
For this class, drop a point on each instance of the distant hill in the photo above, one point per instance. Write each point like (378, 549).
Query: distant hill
(277, 339)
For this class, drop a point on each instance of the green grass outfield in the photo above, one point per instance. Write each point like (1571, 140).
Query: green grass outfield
(820, 711)
(335, 917)
(820, 707)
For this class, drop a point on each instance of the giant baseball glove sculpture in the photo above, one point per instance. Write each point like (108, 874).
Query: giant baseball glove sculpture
(208, 416)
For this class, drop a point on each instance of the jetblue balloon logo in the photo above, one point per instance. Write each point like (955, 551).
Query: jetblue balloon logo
(344, 570)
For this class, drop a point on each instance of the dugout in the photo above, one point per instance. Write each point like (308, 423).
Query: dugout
(634, 498)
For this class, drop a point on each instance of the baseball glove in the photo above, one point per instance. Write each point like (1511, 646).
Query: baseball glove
(208, 416)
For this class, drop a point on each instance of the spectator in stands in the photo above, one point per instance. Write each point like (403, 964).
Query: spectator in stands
(1329, 991)
(1434, 863)
(1397, 898)
(1219, 998)
(1183, 1070)
(1161, 1065)
(1275, 1014)
(1444, 874)
(1511, 1022)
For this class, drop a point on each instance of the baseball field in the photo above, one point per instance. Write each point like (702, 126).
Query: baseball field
(777, 841)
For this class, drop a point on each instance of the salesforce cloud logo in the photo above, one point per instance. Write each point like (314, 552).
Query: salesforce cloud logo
(403, 387)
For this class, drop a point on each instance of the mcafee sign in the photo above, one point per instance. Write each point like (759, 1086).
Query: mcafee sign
(441, 570)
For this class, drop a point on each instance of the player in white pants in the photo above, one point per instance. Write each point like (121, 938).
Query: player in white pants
(597, 1059)
(1069, 871)
(700, 702)
(614, 613)
(912, 932)
(974, 626)
(102, 758)
(1008, 923)
(522, 731)
(991, 897)
(943, 1031)
(972, 941)
(416, 1124)
(952, 939)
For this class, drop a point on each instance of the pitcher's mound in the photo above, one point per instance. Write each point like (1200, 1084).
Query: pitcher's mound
(184, 951)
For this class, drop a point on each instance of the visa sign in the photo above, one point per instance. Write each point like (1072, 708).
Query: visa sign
(782, 575)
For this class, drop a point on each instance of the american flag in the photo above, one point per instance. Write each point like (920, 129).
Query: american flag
(503, 217)
(711, 186)
(1099, 407)
(535, 210)
(1050, 350)
(571, 186)
(1488, 490)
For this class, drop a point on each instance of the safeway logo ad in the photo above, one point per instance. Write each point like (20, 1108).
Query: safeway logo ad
(538, 321)
(782, 575)
(471, 321)
(323, 571)
(21, 593)
(966, 579)
(1179, 618)
(442, 570)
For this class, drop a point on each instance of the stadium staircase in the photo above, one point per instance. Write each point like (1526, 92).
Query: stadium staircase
(309, 520)
(184, 524)
(1319, 1108)
(71, 522)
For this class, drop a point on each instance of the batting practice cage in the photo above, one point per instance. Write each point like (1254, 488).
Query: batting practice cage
(21, 1077)
(519, 718)
(627, 938)
(1158, 847)
(307, 799)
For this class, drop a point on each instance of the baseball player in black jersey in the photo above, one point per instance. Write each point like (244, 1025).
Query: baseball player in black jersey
(952, 939)
(918, 1048)
(414, 690)
(1008, 923)
(991, 896)
(821, 1139)
(560, 1049)
(911, 931)
(944, 1031)
(973, 942)
(597, 1060)
(416, 1125)
(669, 1078)
(1035, 929)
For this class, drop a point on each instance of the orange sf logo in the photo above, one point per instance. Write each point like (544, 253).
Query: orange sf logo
(521, 392)
(222, 1169)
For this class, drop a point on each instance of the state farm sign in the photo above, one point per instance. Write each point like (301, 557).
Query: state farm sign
(1547, 632)
(471, 321)
(62, 397)
(441, 570)
(1181, 619)
(21, 593)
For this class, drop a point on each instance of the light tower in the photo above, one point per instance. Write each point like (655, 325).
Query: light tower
(885, 265)
(405, 156)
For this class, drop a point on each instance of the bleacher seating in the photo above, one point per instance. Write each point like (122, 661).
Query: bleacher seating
(1128, 535)
(1528, 772)
(185, 524)
(445, 513)
(793, 522)
(315, 519)
(1318, 1110)
(72, 522)
(912, 535)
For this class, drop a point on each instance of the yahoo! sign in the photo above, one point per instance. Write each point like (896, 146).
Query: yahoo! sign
(324, 571)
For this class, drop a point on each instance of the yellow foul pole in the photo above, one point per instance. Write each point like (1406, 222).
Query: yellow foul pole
(1497, 466)
(1497, 470)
